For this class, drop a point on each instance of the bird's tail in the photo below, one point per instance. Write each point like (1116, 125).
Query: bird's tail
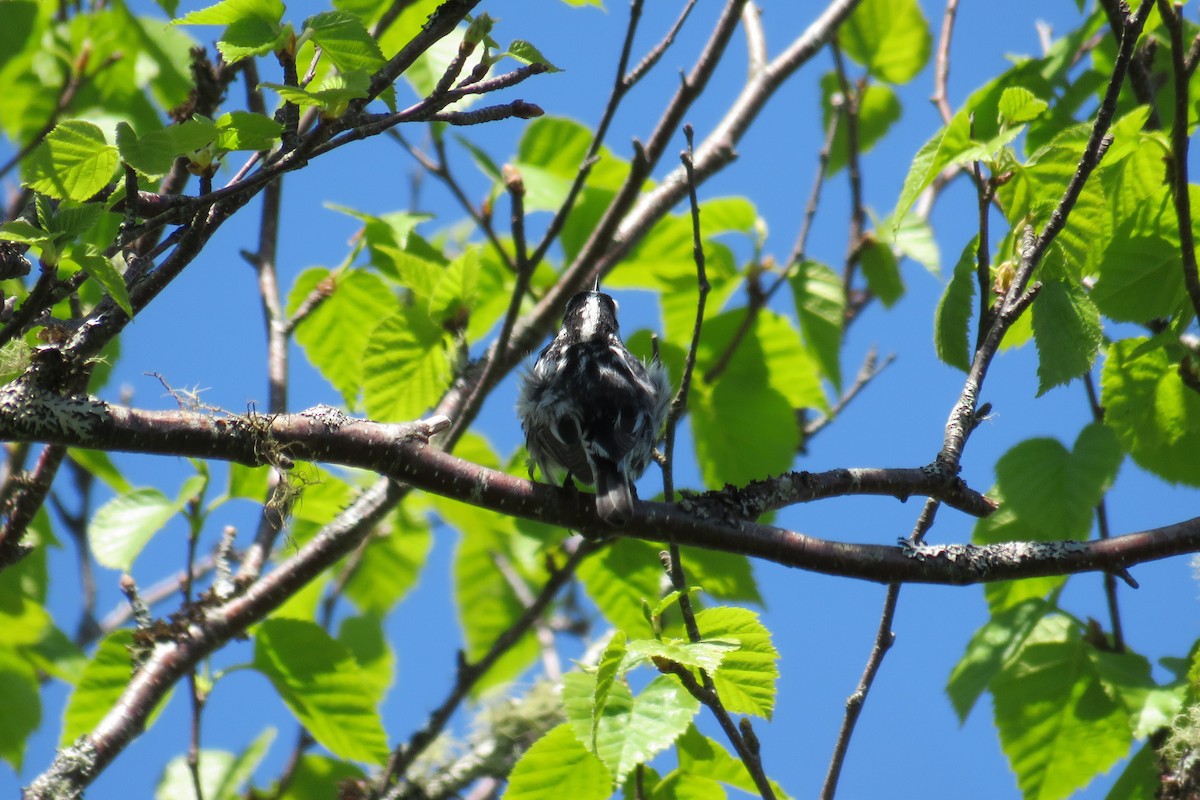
(614, 498)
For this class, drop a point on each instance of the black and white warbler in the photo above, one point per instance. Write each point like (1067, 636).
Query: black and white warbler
(592, 409)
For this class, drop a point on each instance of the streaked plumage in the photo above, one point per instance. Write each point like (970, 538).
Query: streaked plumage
(591, 408)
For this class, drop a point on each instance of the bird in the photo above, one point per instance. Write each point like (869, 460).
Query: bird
(592, 409)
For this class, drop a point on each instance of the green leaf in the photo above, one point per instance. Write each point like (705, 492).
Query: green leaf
(742, 432)
(912, 237)
(1005, 526)
(880, 268)
(222, 774)
(334, 335)
(391, 565)
(821, 308)
(243, 130)
(1054, 492)
(1156, 416)
(705, 654)
(228, 12)
(631, 730)
(103, 271)
(21, 701)
(101, 466)
(942, 149)
(558, 766)
(18, 230)
(746, 679)
(1067, 331)
(487, 605)
(889, 37)
(724, 575)
(345, 41)
(322, 684)
(992, 646)
(1127, 680)
(406, 367)
(101, 685)
(1018, 105)
(319, 778)
(745, 425)
(454, 295)
(1057, 725)
(619, 578)
(332, 96)
(123, 526)
(952, 320)
(363, 637)
(878, 109)
(606, 672)
(152, 155)
(73, 162)
(1142, 778)
(56, 655)
(526, 53)
(1140, 277)
(700, 756)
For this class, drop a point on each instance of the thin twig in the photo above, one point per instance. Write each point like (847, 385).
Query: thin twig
(743, 741)
(866, 373)
(858, 214)
(884, 638)
(524, 268)
(1172, 17)
(941, 64)
(1110, 580)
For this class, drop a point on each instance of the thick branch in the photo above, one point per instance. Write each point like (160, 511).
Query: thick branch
(402, 452)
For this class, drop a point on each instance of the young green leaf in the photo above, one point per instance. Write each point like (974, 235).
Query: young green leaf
(363, 636)
(526, 53)
(243, 130)
(1018, 105)
(558, 766)
(406, 367)
(952, 320)
(631, 730)
(1140, 276)
(821, 307)
(889, 37)
(345, 41)
(122, 526)
(746, 678)
(222, 774)
(20, 699)
(96, 265)
(390, 565)
(882, 271)
(319, 680)
(1054, 491)
(701, 757)
(1050, 702)
(1156, 416)
(878, 109)
(73, 162)
(706, 654)
(992, 646)
(619, 578)
(335, 334)
(606, 673)
(1067, 332)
